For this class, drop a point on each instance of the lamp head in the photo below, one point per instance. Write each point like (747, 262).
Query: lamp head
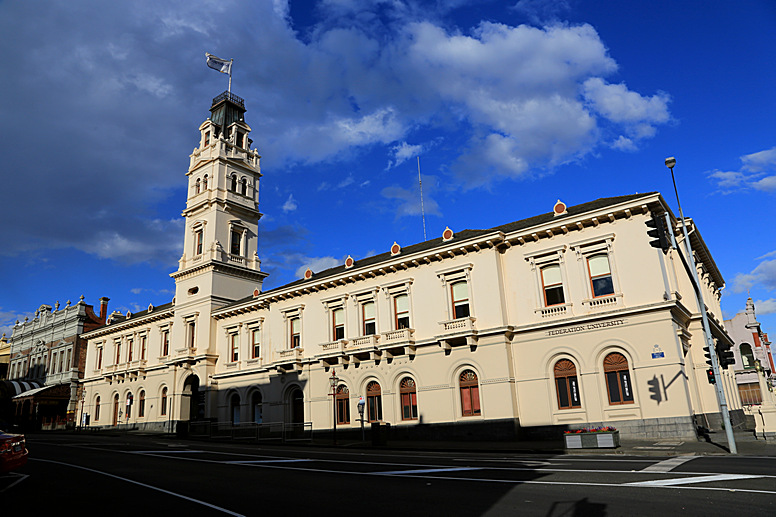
(670, 162)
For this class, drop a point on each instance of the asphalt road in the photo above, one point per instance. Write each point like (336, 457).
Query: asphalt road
(137, 475)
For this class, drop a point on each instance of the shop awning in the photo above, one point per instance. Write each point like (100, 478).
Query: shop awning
(14, 388)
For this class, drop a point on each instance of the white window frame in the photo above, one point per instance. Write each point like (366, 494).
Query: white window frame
(600, 245)
(330, 305)
(450, 276)
(544, 258)
(392, 292)
(289, 314)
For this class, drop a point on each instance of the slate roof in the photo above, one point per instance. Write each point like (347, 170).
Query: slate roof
(459, 236)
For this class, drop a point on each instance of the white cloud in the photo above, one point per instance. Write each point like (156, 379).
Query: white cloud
(758, 172)
(318, 264)
(408, 200)
(403, 152)
(290, 205)
(765, 306)
(762, 276)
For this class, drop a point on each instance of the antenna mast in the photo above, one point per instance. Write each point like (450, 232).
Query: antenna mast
(422, 210)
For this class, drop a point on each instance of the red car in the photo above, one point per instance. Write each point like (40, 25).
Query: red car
(13, 452)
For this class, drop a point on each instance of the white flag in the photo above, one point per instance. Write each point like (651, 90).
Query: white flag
(216, 63)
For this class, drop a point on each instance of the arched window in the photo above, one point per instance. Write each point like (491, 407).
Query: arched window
(198, 186)
(566, 384)
(163, 408)
(243, 186)
(409, 399)
(343, 405)
(141, 405)
(204, 182)
(256, 407)
(374, 402)
(234, 408)
(600, 275)
(130, 402)
(470, 394)
(747, 356)
(234, 183)
(552, 284)
(618, 382)
(97, 409)
(460, 296)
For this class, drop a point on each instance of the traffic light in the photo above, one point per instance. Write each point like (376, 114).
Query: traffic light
(725, 354)
(659, 232)
(710, 376)
(654, 389)
(707, 354)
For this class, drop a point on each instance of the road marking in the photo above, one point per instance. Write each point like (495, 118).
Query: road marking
(21, 477)
(254, 462)
(423, 471)
(669, 464)
(224, 510)
(164, 452)
(687, 481)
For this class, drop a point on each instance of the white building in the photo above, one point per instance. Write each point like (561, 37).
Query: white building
(751, 345)
(565, 319)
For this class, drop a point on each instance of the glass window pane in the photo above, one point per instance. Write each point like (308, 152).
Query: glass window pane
(295, 326)
(603, 286)
(369, 310)
(339, 317)
(554, 295)
(563, 394)
(551, 275)
(627, 393)
(460, 291)
(599, 265)
(402, 303)
(614, 389)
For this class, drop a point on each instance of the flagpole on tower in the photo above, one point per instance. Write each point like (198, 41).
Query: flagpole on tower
(231, 62)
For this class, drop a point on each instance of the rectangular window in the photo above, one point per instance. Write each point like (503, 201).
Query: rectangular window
(130, 350)
(234, 346)
(118, 352)
(165, 343)
(343, 410)
(255, 344)
(192, 334)
(568, 392)
(207, 137)
(401, 305)
(142, 348)
(198, 242)
(338, 323)
(68, 364)
(409, 406)
(99, 358)
(552, 285)
(368, 317)
(460, 295)
(600, 275)
(296, 336)
(619, 387)
(236, 240)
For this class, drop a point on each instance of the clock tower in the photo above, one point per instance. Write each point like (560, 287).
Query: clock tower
(220, 261)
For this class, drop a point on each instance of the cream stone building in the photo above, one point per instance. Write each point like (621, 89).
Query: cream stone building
(565, 319)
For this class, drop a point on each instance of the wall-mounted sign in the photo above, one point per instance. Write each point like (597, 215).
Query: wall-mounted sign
(586, 327)
(657, 352)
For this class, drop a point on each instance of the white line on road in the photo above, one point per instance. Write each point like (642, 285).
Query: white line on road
(143, 485)
(422, 471)
(669, 464)
(21, 477)
(254, 462)
(166, 451)
(687, 481)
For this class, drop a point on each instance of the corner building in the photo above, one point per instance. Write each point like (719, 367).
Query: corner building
(566, 319)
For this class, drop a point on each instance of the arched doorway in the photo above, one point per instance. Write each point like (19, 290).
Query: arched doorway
(256, 407)
(234, 409)
(192, 400)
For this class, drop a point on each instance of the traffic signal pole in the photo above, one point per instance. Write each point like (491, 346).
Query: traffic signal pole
(693, 271)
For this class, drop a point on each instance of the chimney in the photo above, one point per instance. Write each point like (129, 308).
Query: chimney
(104, 307)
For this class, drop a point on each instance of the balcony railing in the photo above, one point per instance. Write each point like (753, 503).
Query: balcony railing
(361, 343)
(397, 337)
(555, 311)
(458, 326)
(604, 302)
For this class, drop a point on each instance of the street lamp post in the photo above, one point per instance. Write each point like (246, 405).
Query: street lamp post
(333, 380)
(360, 405)
(670, 163)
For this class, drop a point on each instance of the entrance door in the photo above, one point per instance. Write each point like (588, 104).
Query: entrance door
(192, 400)
(296, 406)
(116, 409)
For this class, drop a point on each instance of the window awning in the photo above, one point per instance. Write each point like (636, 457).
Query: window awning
(14, 388)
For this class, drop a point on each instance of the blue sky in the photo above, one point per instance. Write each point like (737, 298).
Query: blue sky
(510, 106)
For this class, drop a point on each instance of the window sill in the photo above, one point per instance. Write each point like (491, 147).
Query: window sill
(610, 301)
(555, 311)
